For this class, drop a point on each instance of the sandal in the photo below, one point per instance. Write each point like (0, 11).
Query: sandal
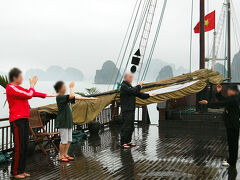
(125, 146)
(26, 174)
(19, 176)
(70, 158)
(63, 160)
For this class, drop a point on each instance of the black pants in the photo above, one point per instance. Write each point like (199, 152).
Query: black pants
(127, 127)
(233, 137)
(20, 131)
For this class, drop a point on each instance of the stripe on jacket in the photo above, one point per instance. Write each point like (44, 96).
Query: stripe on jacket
(17, 149)
(30, 93)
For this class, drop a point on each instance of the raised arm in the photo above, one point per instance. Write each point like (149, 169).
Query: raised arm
(85, 98)
(38, 94)
(219, 95)
(130, 90)
(20, 93)
(143, 95)
(43, 95)
(229, 100)
(72, 94)
(218, 104)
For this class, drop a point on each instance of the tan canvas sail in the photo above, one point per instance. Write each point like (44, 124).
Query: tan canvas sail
(173, 88)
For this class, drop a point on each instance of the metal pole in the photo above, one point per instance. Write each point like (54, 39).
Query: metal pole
(214, 50)
(202, 34)
(229, 39)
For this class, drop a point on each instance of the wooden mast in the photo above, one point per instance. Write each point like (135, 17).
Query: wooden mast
(202, 34)
(229, 39)
(202, 94)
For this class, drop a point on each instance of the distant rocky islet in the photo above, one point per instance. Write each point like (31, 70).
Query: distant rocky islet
(55, 73)
(158, 70)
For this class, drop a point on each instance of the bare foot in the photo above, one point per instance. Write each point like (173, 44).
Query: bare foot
(19, 176)
(131, 144)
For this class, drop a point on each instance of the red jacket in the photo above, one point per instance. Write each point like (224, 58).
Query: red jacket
(17, 98)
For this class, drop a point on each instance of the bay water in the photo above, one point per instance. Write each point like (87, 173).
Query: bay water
(47, 87)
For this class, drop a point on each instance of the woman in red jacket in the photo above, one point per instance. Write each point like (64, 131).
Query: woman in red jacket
(19, 113)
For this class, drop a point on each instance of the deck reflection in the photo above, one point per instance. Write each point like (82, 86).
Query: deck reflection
(160, 154)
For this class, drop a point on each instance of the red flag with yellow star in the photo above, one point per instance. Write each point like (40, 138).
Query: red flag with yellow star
(209, 23)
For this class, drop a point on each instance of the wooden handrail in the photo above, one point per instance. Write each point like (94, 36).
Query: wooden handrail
(6, 143)
(4, 119)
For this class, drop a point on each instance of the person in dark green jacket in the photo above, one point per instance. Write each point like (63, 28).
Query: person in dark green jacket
(64, 120)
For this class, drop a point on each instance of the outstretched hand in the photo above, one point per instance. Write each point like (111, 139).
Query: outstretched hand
(203, 102)
(151, 94)
(52, 95)
(33, 81)
(72, 84)
(219, 88)
(141, 83)
(93, 98)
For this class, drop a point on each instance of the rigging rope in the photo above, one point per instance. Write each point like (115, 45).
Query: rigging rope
(154, 42)
(146, 34)
(127, 43)
(236, 26)
(141, 20)
(208, 38)
(219, 32)
(124, 40)
(225, 50)
(190, 50)
(190, 45)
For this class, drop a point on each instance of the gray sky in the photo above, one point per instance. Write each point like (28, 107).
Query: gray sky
(85, 33)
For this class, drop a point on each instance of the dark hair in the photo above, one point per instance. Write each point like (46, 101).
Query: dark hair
(233, 87)
(58, 86)
(14, 73)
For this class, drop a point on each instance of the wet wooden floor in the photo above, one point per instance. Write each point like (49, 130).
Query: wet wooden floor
(160, 154)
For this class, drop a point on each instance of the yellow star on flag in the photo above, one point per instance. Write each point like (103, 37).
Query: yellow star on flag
(206, 22)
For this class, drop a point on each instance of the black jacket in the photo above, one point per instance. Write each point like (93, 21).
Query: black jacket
(231, 111)
(128, 96)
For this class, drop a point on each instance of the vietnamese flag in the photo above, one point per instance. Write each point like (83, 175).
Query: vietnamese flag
(209, 23)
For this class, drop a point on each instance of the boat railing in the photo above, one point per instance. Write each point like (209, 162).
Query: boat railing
(6, 137)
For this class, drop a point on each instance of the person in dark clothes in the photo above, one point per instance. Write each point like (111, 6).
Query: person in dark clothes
(128, 95)
(231, 119)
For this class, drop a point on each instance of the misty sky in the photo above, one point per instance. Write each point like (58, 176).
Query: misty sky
(85, 33)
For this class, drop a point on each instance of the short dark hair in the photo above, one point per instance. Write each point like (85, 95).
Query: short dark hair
(58, 86)
(14, 73)
(233, 87)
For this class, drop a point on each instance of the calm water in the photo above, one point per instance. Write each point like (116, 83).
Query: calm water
(47, 87)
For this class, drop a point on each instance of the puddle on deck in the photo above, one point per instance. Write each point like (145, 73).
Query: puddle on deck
(160, 154)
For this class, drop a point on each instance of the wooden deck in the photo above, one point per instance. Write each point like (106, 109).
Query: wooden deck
(163, 153)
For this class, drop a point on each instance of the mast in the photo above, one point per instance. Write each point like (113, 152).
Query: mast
(202, 34)
(229, 39)
(202, 94)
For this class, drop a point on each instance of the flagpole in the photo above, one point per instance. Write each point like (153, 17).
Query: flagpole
(202, 34)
